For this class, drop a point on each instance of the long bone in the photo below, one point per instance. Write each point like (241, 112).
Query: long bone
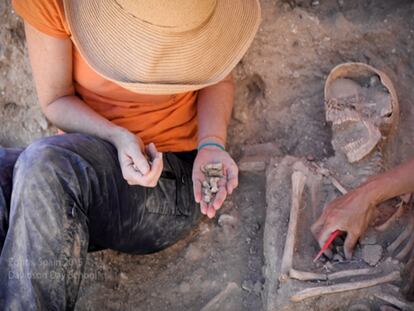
(313, 182)
(394, 301)
(298, 185)
(343, 287)
(310, 276)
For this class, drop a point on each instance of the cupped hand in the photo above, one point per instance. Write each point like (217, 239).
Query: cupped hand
(140, 165)
(350, 213)
(226, 184)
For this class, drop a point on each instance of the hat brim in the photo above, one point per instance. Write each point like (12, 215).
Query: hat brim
(145, 59)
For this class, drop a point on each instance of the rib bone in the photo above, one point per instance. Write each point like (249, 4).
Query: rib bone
(394, 301)
(407, 249)
(400, 239)
(298, 184)
(343, 287)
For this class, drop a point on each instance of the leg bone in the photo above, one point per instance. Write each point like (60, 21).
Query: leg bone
(343, 287)
(298, 185)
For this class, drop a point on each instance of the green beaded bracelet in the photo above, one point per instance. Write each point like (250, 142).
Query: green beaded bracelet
(210, 144)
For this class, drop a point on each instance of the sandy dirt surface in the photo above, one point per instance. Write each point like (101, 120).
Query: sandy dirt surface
(279, 99)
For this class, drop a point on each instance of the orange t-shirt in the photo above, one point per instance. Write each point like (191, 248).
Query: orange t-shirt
(168, 121)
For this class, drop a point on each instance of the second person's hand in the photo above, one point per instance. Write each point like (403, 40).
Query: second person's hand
(350, 213)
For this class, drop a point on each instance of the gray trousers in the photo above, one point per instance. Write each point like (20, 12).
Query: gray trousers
(65, 195)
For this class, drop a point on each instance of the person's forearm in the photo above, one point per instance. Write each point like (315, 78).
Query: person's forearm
(214, 107)
(392, 183)
(71, 114)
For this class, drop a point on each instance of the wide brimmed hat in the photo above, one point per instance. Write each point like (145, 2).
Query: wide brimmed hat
(163, 46)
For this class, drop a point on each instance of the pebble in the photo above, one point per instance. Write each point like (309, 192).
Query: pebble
(315, 3)
(227, 220)
(372, 254)
(247, 285)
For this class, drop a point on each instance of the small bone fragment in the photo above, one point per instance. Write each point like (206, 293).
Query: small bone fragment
(212, 172)
(298, 185)
(394, 301)
(213, 167)
(214, 184)
(218, 301)
(349, 273)
(401, 238)
(343, 287)
(325, 172)
(393, 218)
(306, 276)
(407, 249)
(337, 185)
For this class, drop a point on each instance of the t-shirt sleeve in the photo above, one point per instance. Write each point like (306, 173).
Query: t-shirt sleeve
(47, 16)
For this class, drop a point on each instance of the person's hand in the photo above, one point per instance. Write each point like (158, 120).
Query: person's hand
(140, 165)
(350, 213)
(226, 184)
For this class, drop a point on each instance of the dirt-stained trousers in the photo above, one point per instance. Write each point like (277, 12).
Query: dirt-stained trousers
(64, 195)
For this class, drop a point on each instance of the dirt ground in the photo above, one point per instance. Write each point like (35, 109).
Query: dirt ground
(279, 99)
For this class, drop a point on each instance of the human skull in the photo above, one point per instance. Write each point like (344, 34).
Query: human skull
(362, 106)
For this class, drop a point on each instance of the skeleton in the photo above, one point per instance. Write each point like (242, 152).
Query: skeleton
(362, 106)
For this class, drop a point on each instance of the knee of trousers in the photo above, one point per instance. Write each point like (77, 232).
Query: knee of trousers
(48, 169)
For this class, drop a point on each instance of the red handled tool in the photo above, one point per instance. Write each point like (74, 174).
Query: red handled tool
(328, 242)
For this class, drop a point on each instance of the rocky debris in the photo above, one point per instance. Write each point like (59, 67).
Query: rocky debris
(372, 254)
(212, 172)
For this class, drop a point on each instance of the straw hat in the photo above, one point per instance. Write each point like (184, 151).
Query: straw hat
(163, 46)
